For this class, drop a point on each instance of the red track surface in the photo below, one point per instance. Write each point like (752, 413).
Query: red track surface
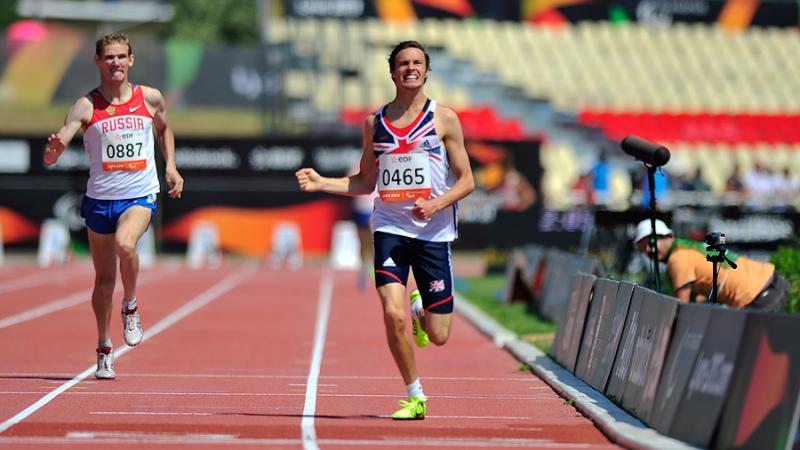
(229, 361)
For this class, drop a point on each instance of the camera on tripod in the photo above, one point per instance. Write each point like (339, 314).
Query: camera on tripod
(715, 252)
(715, 249)
(715, 241)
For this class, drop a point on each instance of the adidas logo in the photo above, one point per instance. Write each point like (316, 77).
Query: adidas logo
(389, 262)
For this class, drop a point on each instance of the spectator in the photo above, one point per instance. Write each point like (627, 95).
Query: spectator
(753, 284)
(734, 182)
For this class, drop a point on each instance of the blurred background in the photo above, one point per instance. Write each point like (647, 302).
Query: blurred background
(545, 90)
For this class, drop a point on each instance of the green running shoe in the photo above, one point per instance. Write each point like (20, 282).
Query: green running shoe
(413, 409)
(420, 336)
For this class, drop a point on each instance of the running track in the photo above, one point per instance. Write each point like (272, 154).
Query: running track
(246, 357)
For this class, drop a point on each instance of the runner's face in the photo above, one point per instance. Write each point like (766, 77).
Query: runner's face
(410, 70)
(114, 62)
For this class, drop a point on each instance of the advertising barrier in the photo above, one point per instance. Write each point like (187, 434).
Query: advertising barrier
(560, 267)
(698, 410)
(763, 403)
(247, 185)
(605, 291)
(619, 372)
(657, 316)
(609, 334)
(570, 329)
(692, 321)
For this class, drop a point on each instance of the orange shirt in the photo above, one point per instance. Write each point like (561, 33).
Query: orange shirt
(738, 287)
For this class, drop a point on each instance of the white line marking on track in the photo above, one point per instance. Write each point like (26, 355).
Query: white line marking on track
(309, 433)
(36, 279)
(189, 307)
(198, 413)
(66, 302)
(109, 438)
(504, 397)
(326, 377)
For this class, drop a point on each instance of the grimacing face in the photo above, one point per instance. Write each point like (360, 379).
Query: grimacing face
(114, 62)
(410, 69)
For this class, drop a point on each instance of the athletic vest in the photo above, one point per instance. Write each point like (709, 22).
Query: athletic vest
(119, 141)
(412, 162)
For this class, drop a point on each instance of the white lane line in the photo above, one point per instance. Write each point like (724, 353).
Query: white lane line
(191, 306)
(504, 397)
(37, 279)
(199, 413)
(309, 433)
(326, 377)
(110, 438)
(68, 302)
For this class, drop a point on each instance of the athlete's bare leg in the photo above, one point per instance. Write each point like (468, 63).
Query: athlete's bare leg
(394, 318)
(104, 258)
(131, 226)
(437, 326)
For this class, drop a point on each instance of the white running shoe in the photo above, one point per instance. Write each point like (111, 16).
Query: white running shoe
(105, 364)
(132, 326)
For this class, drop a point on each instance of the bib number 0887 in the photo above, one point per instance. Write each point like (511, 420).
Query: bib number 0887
(128, 150)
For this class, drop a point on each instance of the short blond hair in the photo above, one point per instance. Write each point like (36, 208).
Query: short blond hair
(111, 38)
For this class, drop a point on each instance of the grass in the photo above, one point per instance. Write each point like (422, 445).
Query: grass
(484, 292)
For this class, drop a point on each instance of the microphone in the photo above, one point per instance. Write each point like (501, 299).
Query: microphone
(645, 151)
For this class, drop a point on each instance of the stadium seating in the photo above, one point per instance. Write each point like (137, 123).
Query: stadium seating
(717, 99)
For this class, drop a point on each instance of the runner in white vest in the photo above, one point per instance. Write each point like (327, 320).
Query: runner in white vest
(118, 119)
(414, 152)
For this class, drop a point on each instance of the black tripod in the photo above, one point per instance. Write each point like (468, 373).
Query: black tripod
(653, 156)
(715, 246)
(651, 178)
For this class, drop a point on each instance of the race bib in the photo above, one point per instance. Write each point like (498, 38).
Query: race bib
(124, 150)
(404, 177)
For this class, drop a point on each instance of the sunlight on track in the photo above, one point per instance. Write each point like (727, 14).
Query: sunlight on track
(193, 305)
(70, 301)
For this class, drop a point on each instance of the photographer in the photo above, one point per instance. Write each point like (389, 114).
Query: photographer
(753, 284)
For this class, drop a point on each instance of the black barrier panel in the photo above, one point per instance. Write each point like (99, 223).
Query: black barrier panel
(533, 259)
(515, 286)
(609, 335)
(578, 297)
(666, 320)
(605, 291)
(764, 396)
(619, 373)
(584, 300)
(555, 290)
(556, 273)
(655, 327)
(699, 408)
(685, 344)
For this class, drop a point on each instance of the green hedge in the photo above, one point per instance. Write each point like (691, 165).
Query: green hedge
(787, 263)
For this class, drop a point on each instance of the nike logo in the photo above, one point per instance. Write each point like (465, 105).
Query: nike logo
(135, 108)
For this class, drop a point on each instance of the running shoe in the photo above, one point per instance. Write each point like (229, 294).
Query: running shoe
(413, 409)
(420, 336)
(105, 364)
(132, 326)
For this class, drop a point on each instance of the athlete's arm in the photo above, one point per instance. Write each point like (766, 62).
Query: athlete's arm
(361, 182)
(166, 140)
(453, 138)
(79, 115)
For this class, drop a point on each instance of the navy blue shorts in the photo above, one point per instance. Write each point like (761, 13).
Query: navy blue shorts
(102, 215)
(430, 261)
